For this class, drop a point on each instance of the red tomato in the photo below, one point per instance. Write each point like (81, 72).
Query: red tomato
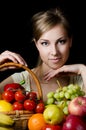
(29, 105)
(40, 107)
(18, 106)
(13, 86)
(32, 95)
(8, 96)
(52, 127)
(20, 96)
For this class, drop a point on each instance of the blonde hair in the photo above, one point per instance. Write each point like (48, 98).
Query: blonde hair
(45, 20)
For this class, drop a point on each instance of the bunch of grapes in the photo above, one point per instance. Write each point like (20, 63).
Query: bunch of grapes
(63, 95)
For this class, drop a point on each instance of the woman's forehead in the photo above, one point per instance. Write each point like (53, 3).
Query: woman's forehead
(57, 31)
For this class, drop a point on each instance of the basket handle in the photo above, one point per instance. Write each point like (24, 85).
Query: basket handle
(31, 72)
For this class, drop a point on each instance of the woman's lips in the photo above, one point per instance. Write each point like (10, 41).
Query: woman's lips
(55, 60)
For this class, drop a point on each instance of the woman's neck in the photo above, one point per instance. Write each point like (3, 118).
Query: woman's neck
(40, 72)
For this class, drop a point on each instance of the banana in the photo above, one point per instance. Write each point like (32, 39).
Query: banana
(5, 120)
(5, 128)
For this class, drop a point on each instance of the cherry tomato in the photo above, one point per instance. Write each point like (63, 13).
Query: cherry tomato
(29, 105)
(20, 96)
(40, 107)
(32, 95)
(8, 96)
(18, 106)
(13, 87)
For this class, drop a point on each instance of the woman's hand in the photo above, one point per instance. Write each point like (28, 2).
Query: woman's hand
(11, 56)
(66, 69)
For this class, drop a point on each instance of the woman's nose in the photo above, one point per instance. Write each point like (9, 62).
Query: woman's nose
(54, 50)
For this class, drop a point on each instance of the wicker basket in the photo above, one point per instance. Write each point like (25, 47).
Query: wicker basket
(21, 117)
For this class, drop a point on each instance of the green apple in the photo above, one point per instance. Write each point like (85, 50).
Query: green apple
(53, 114)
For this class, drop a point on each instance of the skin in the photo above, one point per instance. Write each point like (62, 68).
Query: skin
(11, 56)
(54, 49)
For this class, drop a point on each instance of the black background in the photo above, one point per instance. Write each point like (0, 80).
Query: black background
(16, 33)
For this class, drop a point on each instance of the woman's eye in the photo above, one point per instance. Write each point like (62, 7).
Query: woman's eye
(44, 43)
(62, 41)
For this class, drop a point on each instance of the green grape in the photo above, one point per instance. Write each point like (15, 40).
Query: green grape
(74, 90)
(65, 110)
(77, 87)
(67, 95)
(50, 94)
(50, 101)
(67, 102)
(76, 94)
(70, 91)
(61, 94)
(65, 89)
(70, 86)
(73, 96)
(82, 93)
(56, 96)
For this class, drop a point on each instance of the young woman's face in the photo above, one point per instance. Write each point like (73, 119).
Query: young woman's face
(54, 46)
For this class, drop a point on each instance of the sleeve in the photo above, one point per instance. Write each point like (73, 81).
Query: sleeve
(24, 75)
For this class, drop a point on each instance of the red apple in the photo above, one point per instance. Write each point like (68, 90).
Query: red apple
(51, 127)
(77, 106)
(74, 122)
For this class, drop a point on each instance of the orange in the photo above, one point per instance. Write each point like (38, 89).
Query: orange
(36, 122)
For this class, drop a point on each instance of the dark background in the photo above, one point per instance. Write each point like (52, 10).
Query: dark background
(16, 33)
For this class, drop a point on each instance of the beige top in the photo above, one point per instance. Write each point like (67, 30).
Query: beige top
(24, 75)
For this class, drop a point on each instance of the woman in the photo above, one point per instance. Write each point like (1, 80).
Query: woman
(53, 39)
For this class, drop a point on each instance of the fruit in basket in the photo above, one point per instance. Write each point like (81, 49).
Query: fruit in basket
(63, 95)
(29, 105)
(5, 106)
(18, 106)
(36, 122)
(5, 120)
(20, 96)
(32, 95)
(77, 106)
(74, 123)
(53, 114)
(51, 127)
(40, 107)
(13, 87)
(6, 128)
(8, 96)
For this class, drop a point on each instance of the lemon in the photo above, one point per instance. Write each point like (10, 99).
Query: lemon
(5, 106)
